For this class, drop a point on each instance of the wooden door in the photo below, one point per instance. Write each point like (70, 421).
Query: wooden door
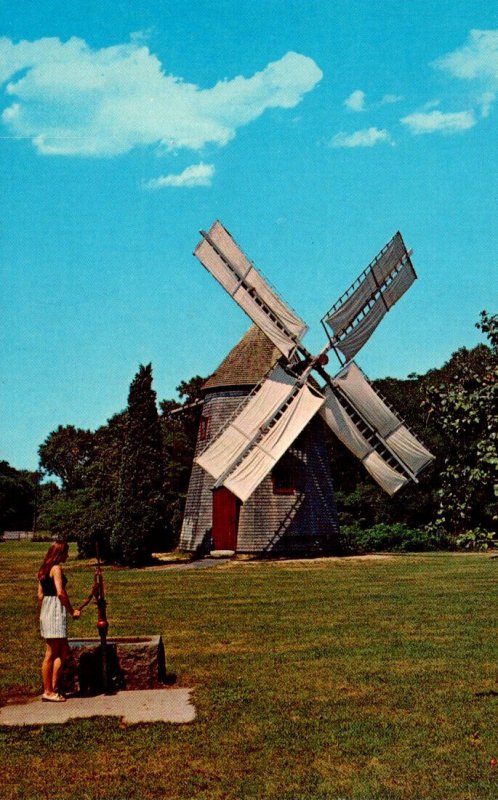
(225, 519)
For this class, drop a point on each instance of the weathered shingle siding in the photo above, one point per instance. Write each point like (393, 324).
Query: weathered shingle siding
(197, 519)
(304, 522)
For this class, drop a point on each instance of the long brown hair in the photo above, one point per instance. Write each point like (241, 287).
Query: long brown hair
(55, 554)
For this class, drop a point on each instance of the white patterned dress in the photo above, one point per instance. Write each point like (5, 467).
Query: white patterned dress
(53, 615)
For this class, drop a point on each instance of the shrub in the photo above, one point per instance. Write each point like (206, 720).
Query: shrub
(477, 539)
(393, 538)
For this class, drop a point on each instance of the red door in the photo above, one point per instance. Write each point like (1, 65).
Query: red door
(225, 519)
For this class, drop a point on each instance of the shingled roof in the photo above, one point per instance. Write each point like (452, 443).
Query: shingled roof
(246, 363)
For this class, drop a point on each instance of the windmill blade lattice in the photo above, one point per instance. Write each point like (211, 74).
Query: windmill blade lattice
(285, 401)
(369, 428)
(354, 317)
(224, 259)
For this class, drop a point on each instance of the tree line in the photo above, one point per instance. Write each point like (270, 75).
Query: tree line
(124, 484)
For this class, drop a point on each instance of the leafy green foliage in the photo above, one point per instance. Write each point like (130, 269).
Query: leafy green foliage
(140, 523)
(64, 513)
(179, 424)
(17, 498)
(453, 411)
(467, 412)
(66, 453)
(88, 465)
(86, 513)
(477, 540)
(43, 536)
(395, 537)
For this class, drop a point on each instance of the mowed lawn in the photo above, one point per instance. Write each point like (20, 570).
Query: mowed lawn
(338, 679)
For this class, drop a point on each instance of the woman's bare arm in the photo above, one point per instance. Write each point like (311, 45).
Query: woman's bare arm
(56, 573)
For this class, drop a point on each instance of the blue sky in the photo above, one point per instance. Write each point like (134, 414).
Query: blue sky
(313, 130)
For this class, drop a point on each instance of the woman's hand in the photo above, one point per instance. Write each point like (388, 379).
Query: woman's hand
(76, 613)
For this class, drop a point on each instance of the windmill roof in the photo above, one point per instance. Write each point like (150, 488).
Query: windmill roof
(246, 363)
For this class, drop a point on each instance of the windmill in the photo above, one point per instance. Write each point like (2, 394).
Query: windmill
(265, 426)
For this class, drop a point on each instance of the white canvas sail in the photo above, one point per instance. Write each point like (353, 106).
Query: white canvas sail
(224, 259)
(254, 467)
(255, 414)
(355, 316)
(346, 430)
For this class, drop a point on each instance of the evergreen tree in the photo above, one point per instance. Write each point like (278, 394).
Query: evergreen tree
(140, 522)
(179, 438)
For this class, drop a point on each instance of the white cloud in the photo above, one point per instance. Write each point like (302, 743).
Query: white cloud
(431, 104)
(195, 175)
(486, 101)
(439, 122)
(72, 100)
(390, 99)
(367, 137)
(356, 101)
(476, 59)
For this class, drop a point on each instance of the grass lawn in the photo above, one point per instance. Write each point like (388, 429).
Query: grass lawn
(340, 679)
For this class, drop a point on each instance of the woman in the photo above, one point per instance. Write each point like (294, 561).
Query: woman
(54, 607)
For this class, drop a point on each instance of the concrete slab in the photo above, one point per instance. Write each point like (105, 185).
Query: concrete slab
(141, 705)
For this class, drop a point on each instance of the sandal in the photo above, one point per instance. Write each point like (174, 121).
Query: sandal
(53, 698)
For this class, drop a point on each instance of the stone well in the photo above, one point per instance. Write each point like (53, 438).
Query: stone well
(133, 662)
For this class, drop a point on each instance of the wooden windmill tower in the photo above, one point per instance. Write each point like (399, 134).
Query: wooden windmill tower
(261, 480)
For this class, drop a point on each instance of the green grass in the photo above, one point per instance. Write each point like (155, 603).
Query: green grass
(348, 679)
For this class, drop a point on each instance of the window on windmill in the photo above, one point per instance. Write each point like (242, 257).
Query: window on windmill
(203, 428)
(284, 476)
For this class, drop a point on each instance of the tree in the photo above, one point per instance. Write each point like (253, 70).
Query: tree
(180, 423)
(467, 412)
(102, 478)
(140, 522)
(66, 452)
(17, 498)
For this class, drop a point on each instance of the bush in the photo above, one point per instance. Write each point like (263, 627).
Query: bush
(392, 538)
(477, 539)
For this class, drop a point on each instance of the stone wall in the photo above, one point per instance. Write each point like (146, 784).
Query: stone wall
(133, 662)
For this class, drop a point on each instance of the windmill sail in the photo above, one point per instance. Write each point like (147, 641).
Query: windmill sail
(223, 258)
(352, 404)
(271, 393)
(348, 432)
(254, 440)
(267, 450)
(386, 476)
(357, 313)
(282, 404)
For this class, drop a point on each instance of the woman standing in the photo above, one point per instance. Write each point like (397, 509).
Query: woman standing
(54, 607)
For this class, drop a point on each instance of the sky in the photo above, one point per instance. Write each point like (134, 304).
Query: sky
(314, 130)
